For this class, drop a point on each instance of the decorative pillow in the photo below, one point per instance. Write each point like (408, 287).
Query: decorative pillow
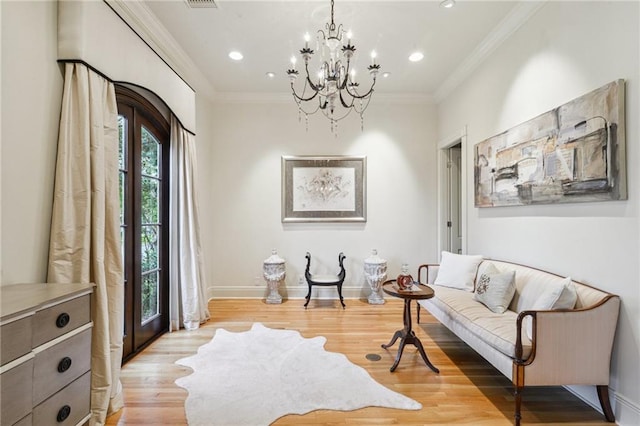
(487, 267)
(457, 270)
(562, 295)
(495, 290)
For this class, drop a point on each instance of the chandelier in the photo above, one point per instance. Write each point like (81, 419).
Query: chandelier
(333, 89)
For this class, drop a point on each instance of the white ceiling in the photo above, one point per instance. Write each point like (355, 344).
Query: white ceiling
(268, 33)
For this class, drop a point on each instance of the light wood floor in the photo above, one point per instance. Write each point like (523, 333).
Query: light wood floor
(468, 390)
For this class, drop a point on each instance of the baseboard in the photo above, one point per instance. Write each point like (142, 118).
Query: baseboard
(294, 292)
(627, 412)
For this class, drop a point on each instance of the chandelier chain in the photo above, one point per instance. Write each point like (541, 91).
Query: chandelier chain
(332, 24)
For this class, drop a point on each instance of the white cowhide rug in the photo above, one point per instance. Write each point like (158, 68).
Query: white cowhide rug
(254, 377)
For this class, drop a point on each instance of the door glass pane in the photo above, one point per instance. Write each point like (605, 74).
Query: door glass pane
(150, 299)
(149, 248)
(150, 154)
(123, 144)
(150, 200)
(122, 136)
(150, 224)
(122, 189)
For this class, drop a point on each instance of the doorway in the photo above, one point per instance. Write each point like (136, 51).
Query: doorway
(144, 219)
(451, 195)
(454, 189)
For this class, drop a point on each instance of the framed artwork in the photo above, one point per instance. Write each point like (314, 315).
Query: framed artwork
(324, 189)
(573, 153)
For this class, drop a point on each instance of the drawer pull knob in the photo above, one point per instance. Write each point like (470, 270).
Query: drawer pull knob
(64, 364)
(62, 320)
(63, 413)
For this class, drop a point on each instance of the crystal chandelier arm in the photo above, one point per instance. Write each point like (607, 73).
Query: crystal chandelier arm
(313, 86)
(344, 104)
(355, 95)
(346, 76)
(295, 95)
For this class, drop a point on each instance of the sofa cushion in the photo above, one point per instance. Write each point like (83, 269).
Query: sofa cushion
(560, 295)
(495, 289)
(458, 270)
(498, 330)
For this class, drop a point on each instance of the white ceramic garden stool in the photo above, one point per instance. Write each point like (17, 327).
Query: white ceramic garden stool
(375, 271)
(274, 272)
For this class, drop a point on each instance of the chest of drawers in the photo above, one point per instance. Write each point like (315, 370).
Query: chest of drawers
(45, 354)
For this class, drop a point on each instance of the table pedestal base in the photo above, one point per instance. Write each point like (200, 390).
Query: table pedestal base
(407, 336)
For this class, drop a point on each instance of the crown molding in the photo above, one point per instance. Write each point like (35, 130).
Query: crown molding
(520, 14)
(137, 15)
(140, 18)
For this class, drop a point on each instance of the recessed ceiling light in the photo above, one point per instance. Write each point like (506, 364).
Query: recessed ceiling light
(416, 56)
(448, 4)
(386, 74)
(235, 55)
(271, 74)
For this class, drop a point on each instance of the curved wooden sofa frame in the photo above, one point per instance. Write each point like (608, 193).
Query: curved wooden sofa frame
(325, 280)
(578, 326)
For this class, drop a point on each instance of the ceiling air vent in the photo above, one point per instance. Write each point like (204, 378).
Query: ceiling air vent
(201, 3)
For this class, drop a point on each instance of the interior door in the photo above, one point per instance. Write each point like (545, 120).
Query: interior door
(454, 223)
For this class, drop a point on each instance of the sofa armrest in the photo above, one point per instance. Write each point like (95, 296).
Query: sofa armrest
(570, 347)
(431, 270)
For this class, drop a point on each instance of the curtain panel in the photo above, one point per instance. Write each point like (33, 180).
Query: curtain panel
(85, 227)
(187, 299)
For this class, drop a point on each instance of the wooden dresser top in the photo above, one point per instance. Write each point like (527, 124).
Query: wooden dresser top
(19, 299)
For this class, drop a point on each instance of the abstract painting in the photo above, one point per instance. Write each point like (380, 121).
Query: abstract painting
(573, 153)
(323, 189)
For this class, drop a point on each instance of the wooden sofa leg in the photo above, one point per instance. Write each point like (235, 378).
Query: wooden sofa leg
(517, 393)
(603, 396)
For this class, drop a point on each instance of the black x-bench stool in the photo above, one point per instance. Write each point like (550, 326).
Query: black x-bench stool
(325, 280)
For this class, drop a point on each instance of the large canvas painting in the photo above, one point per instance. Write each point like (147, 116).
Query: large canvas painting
(323, 189)
(573, 153)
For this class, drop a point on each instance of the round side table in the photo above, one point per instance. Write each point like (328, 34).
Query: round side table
(407, 335)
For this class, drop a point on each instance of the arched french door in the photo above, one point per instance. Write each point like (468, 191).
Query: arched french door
(144, 213)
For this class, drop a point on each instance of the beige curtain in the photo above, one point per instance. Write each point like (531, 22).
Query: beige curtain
(188, 302)
(85, 233)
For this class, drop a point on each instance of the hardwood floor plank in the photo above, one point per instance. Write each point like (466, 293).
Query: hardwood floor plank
(468, 390)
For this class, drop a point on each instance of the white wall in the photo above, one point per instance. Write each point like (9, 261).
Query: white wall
(244, 216)
(31, 99)
(204, 154)
(566, 50)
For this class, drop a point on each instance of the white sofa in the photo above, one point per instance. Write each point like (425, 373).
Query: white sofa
(566, 347)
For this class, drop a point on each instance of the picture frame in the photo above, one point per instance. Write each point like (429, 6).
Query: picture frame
(573, 153)
(324, 189)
